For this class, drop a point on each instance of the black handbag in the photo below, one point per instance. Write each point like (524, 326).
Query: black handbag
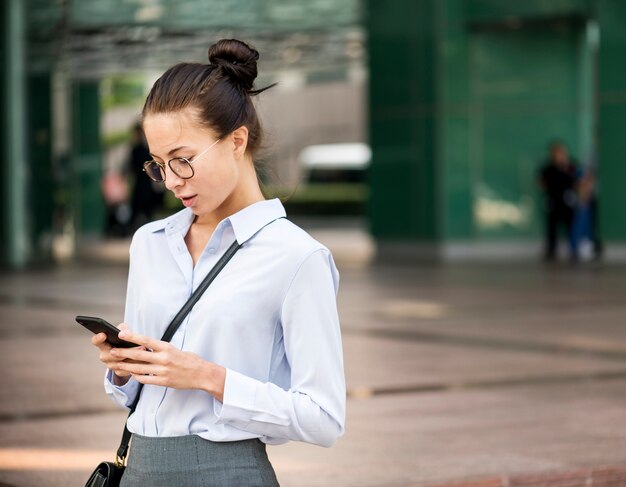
(106, 474)
(109, 474)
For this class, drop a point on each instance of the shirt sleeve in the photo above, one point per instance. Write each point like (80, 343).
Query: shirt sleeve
(122, 395)
(125, 395)
(313, 409)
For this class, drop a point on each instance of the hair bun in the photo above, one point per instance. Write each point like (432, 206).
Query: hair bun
(237, 59)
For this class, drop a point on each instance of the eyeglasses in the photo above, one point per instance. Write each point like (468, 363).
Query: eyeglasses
(181, 166)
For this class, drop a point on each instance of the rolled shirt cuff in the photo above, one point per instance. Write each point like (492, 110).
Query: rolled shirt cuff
(122, 395)
(239, 398)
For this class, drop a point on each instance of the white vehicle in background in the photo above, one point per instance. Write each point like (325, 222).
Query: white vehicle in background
(334, 180)
(335, 163)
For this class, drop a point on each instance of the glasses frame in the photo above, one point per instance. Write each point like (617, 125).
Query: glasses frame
(161, 165)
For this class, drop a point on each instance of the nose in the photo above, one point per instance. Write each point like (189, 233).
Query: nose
(171, 179)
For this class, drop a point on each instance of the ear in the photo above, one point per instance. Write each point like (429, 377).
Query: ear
(239, 139)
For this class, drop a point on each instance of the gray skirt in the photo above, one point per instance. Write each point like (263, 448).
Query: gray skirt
(190, 461)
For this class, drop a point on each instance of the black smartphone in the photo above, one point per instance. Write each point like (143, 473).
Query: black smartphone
(98, 325)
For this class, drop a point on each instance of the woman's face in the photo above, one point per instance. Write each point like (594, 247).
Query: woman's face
(216, 172)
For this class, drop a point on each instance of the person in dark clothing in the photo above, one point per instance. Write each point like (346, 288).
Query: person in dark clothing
(144, 199)
(557, 179)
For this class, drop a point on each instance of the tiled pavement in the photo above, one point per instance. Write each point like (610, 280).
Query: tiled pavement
(459, 375)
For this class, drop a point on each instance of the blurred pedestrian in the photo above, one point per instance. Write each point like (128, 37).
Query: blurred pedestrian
(145, 198)
(117, 214)
(585, 238)
(557, 178)
(259, 358)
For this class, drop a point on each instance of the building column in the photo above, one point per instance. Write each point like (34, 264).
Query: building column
(41, 180)
(612, 119)
(404, 209)
(86, 158)
(14, 215)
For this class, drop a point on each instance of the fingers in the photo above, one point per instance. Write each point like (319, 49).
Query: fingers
(137, 361)
(151, 379)
(121, 373)
(144, 373)
(99, 340)
(139, 369)
(149, 343)
(169, 367)
(138, 354)
(106, 357)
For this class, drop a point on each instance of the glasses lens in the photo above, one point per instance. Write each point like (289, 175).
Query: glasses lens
(154, 171)
(181, 167)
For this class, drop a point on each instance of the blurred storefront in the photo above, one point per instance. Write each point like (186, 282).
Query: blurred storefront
(457, 99)
(464, 98)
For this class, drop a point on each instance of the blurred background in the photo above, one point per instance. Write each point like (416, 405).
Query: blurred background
(77, 73)
(443, 149)
(456, 102)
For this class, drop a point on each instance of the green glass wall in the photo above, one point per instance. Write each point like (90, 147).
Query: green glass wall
(87, 158)
(512, 10)
(403, 120)
(465, 96)
(523, 92)
(612, 118)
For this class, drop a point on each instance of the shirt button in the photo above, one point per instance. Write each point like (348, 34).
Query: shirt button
(211, 250)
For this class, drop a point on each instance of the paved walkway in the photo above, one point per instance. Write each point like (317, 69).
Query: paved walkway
(483, 373)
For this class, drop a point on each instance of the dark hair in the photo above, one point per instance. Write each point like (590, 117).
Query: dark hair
(221, 91)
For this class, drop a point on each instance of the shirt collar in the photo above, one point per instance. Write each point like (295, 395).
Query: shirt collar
(248, 221)
(245, 223)
(175, 223)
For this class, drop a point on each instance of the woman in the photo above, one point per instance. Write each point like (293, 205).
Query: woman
(259, 358)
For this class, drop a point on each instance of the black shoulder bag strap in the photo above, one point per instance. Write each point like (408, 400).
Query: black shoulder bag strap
(169, 333)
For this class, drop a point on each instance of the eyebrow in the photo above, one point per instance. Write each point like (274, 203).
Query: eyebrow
(172, 152)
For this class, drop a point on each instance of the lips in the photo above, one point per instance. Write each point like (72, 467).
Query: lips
(187, 200)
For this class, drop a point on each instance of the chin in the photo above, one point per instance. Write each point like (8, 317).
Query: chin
(204, 210)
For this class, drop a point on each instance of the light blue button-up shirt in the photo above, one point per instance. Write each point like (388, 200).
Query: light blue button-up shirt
(270, 318)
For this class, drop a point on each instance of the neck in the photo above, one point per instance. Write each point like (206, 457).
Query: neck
(246, 194)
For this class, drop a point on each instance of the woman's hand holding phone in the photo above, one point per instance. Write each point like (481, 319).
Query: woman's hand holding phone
(155, 361)
(120, 377)
(161, 363)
